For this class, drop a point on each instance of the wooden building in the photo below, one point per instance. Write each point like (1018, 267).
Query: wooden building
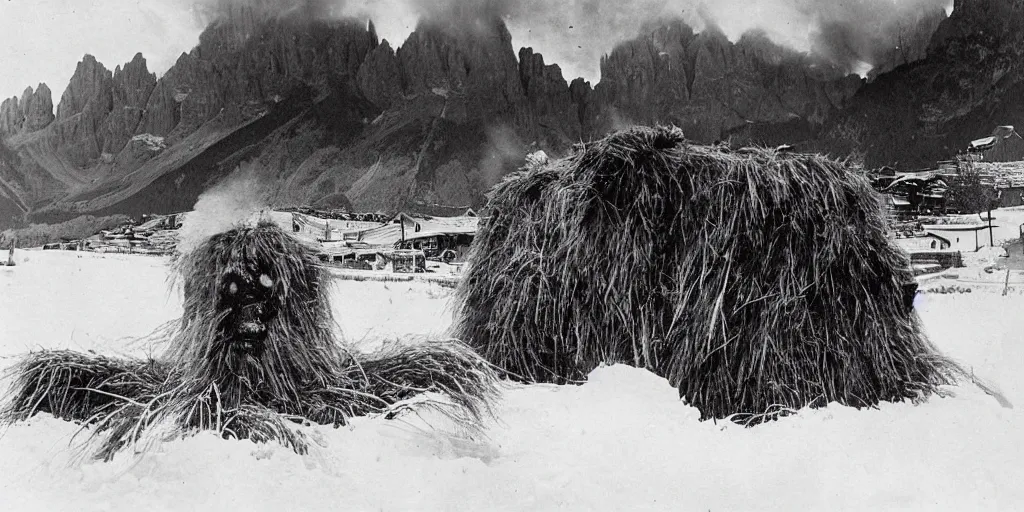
(1003, 145)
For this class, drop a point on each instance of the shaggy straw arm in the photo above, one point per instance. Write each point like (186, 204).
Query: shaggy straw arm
(753, 280)
(297, 374)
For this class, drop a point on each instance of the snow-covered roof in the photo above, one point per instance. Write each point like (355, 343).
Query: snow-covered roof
(449, 225)
(387, 234)
(1003, 131)
(428, 234)
(983, 143)
(912, 177)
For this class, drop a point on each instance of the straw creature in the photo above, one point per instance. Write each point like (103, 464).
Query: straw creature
(254, 356)
(757, 282)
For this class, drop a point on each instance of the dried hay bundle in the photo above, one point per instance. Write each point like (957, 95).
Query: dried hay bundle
(75, 386)
(254, 356)
(755, 281)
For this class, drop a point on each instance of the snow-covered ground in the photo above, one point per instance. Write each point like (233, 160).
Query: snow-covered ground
(622, 441)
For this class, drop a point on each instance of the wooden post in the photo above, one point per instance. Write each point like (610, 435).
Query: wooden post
(991, 243)
(10, 254)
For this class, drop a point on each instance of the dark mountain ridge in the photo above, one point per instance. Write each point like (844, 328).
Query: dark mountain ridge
(325, 110)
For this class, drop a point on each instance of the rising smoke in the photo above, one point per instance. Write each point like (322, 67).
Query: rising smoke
(504, 151)
(239, 199)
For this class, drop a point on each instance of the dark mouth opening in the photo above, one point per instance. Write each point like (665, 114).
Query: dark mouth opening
(246, 345)
(249, 338)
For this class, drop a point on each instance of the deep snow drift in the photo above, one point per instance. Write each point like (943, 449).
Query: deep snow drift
(623, 441)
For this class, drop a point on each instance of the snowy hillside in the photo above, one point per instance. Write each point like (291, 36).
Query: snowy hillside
(623, 441)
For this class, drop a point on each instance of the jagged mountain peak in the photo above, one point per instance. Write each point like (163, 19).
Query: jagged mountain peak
(33, 112)
(439, 118)
(88, 83)
(327, 109)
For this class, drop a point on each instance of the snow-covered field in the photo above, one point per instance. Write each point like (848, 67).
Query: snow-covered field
(623, 441)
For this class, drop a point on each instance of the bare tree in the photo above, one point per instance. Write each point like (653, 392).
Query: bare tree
(967, 192)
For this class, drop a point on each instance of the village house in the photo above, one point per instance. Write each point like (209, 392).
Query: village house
(405, 240)
(1004, 145)
(926, 242)
(313, 228)
(920, 191)
(444, 238)
(997, 158)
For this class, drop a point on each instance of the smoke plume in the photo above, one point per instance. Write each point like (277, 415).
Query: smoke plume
(239, 199)
(504, 151)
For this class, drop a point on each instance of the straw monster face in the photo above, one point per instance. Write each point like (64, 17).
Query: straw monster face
(247, 295)
(254, 311)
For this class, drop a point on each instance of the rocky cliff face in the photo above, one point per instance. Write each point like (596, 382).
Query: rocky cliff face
(249, 59)
(37, 108)
(557, 113)
(11, 116)
(437, 121)
(33, 113)
(711, 87)
(81, 113)
(131, 88)
(465, 110)
(970, 81)
(909, 43)
(110, 124)
(99, 111)
(471, 61)
(379, 76)
(326, 110)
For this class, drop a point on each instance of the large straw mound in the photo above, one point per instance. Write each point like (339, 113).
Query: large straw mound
(298, 373)
(756, 281)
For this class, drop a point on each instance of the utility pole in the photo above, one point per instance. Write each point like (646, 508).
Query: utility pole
(1021, 230)
(991, 242)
